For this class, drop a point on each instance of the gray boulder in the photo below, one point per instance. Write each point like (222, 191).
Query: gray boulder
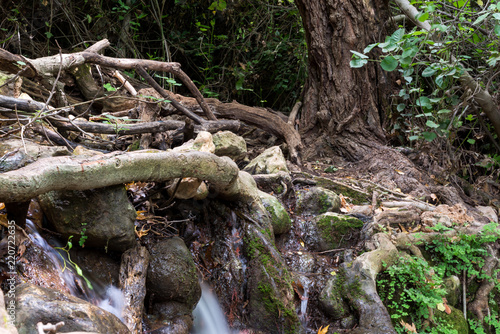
(230, 145)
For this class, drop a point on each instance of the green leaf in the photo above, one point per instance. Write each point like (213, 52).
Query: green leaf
(401, 107)
(109, 88)
(497, 30)
(481, 18)
(444, 111)
(496, 15)
(423, 101)
(357, 63)
(360, 55)
(471, 141)
(422, 17)
(22, 63)
(428, 72)
(397, 35)
(412, 138)
(431, 124)
(389, 63)
(429, 136)
(411, 52)
(370, 47)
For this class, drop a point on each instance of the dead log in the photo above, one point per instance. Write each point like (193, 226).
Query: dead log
(133, 270)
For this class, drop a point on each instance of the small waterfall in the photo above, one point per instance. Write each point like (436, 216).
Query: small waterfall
(208, 315)
(111, 300)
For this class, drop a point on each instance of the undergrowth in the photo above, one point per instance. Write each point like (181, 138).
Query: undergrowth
(413, 287)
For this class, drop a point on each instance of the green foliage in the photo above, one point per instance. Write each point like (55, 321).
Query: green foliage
(430, 104)
(412, 286)
(67, 260)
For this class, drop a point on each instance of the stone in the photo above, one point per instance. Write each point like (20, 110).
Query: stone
(447, 216)
(332, 231)
(270, 161)
(230, 145)
(455, 320)
(279, 216)
(36, 304)
(331, 300)
(172, 274)
(15, 154)
(103, 217)
(317, 200)
(488, 212)
(172, 318)
(451, 285)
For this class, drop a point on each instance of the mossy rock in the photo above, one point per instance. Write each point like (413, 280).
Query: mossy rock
(455, 320)
(332, 230)
(270, 293)
(317, 200)
(279, 216)
(331, 300)
(270, 161)
(230, 145)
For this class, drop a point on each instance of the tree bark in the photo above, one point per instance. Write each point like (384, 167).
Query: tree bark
(342, 102)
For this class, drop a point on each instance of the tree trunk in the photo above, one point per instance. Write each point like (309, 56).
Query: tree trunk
(342, 103)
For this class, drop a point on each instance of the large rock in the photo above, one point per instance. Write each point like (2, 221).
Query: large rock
(230, 145)
(317, 200)
(15, 154)
(36, 304)
(332, 231)
(270, 161)
(269, 289)
(172, 273)
(103, 217)
(279, 217)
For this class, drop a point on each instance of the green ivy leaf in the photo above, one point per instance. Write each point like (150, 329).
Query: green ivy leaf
(428, 72)
(422, 17)
(423, 101)
(357, 63)
(370, 47)
(431, 124)
(360, 55)
(471, 141)
(389, 63)
(401, 107)
(429, 136)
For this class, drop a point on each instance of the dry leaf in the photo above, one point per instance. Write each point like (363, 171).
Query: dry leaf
(322, 330)
(399, 172)
(410, 328)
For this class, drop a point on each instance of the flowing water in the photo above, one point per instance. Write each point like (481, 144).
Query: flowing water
(109, 298)
(208, 315)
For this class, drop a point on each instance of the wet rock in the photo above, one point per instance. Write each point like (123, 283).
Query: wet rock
(7, 314)
(14, 155)
(279, 216)
(36, 304)
(331, 299)
(453, 291)
(101, 218)
(172, 318)
(271, 161)
(230, 145)
(331, 231)
(317, 200)
(172, 273)
(100, 266)
(270, 292)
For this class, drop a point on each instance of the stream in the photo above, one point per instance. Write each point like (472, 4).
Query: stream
(208, 315)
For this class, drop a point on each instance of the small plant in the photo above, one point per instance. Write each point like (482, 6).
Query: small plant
(83, 237)
(75, 266)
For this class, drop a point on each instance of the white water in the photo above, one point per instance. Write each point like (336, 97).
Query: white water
(113, 299)
(208, 316)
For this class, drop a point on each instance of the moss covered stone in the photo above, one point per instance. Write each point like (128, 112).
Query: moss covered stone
(270, 292)
(332, 230)
(279, 216)
(317, 200)
(455, 320)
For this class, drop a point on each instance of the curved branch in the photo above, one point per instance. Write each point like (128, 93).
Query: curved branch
(80, 173)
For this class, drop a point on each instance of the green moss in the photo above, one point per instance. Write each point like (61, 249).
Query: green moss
(324, 203)
(333, 228)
